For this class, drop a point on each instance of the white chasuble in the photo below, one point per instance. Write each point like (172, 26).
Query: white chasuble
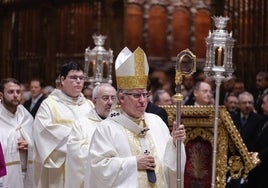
(113, 150)
(60, 143)
(19, 164)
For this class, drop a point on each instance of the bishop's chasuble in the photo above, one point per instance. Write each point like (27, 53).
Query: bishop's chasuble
(113, 150)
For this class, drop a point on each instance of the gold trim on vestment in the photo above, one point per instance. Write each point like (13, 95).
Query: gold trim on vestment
(131, 82)
(56, 114)
(17, 162)
(136, 149)
(139, 62)
(60, 121)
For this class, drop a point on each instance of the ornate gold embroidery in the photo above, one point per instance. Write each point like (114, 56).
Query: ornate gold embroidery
(137, 150)
(130, 82)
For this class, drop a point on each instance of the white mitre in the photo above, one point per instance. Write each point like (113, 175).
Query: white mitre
(131, 69)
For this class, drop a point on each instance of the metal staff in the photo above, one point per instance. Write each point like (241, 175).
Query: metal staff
(185, 66)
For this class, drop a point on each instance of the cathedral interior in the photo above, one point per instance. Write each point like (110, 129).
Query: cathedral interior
(37, 37)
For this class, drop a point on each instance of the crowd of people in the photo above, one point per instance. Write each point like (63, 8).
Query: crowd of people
(76, 135)
(60, 138)
(248, 111)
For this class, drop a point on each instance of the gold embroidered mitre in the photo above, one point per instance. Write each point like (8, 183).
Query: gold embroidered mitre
(131, 69)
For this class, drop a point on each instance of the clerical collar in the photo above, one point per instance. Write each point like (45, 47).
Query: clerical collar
(71, 97)
(136, 120)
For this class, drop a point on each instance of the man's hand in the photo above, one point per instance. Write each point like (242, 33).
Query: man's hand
(178, 133)
(145, 162)
(22, 145)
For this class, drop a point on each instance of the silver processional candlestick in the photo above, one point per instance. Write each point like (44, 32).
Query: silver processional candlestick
(185, 66)
(218, 67)
(98, 62)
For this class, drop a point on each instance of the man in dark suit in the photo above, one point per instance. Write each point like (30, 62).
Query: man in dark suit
(37, 96)
(258, 177)
(246, 120)
(202, 94)
(248, 124)
(261, 89)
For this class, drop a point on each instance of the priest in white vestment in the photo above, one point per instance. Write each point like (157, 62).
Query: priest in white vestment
(104, 98)
(132, 148)
(61, 144)
(15, 137)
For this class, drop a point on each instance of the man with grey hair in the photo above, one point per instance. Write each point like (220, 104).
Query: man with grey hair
(103, 97)
(246, 120)
(248, 123)
(132, 148)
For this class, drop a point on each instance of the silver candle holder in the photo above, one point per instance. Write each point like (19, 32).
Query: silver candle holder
(98, 62)
(218, 67)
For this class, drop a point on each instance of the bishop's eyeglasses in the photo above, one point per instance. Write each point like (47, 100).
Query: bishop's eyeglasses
(138, 95)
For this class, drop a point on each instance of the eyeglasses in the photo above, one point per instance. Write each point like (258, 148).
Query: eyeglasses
(107, 97)
(138, 95)
(74, 77)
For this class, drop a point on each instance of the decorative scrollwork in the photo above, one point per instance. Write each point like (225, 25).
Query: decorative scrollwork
(236, 166)
(232, 155)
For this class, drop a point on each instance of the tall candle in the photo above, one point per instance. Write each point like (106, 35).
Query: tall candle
(219, 56)
(94, 68)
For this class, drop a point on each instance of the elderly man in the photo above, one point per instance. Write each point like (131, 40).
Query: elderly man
(132, 148)
(246, 120)
(103, 97)
(15, 136)
(59, 158)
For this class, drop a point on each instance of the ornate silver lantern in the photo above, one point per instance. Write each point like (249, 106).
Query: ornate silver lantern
(98, 62)
(219, 67)
(219, 54)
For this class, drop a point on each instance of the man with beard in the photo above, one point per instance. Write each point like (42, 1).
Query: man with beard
(60, 161)
(15, 136)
